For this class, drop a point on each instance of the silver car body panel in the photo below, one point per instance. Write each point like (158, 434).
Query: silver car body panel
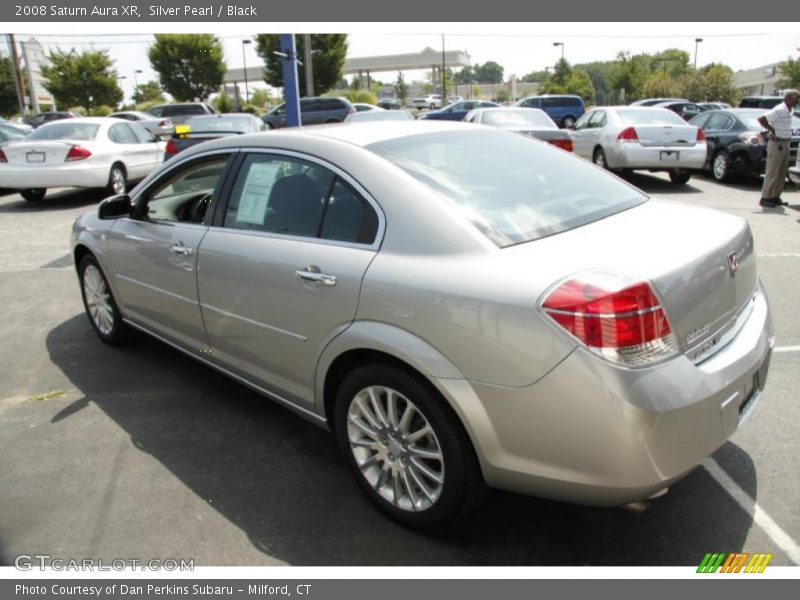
(545, 415)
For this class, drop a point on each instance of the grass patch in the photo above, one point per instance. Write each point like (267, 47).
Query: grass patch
(48, 395)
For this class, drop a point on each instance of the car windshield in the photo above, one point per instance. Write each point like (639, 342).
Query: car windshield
(512, 188)
(750, 119)
(526, 117)
(649, 116)
(67, 130)
(209, 124)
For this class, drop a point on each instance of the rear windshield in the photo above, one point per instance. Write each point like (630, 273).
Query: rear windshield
(226, 124)
(649, 116)
(525, 117)
(79, 132)
(512, 188)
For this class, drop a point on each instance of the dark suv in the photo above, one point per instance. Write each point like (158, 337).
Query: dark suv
(765, 102)
(46, 117)
(180, 111)
(312, 112)
(564, 110)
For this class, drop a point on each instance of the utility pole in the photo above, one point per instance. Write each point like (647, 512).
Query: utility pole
(444, 75)
(308, 68)
(20, 83)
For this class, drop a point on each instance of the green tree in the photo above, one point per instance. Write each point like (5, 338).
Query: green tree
(580, 84)
(719, 84)
(401, 88)
(145, 92)
(86, 79)
(328, 51)
(189, 65)
(627, 74)
(8, 89)
(535, 77)
(489, 72)
(660, 85)
(223, 102)
(672, 61)
(260, 97)
(790, 74)
(465, 76)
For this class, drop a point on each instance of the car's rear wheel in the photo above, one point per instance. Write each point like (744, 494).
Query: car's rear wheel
(567, 122)
(599, 158)
(721, 167)
(117, 182)
(101, 308)
(406, 447)
(679, 176)
(33, 194)
(432, 106)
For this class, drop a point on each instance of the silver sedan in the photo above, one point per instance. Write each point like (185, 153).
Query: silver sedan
(461, 305)
(640, 137)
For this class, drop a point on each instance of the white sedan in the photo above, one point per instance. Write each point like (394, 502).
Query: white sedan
(91, 153)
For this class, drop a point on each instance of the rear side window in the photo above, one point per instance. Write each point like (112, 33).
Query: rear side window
(510, 187)
(121, 134)
(719, 122)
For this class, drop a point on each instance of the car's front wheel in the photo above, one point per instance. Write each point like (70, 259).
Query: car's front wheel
(101, 308)
(721, 167)
(33, 194)
(406, 447)
(567, 122)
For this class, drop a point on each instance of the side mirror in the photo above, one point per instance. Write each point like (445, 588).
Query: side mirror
(115, 207)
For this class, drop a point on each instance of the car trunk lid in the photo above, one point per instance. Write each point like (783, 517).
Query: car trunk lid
(45, 153)
(666, 135)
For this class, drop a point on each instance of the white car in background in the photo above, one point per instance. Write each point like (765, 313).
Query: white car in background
(431, 101)
(81, 152)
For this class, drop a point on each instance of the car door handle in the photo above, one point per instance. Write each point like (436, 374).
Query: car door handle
(180, 248)
(311, 273)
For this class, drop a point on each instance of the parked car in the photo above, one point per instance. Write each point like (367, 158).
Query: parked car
(457, 111)
(564, 110)
(197, 130)
(532, 122)
(713, 105)
(686, 110)
(47, 117)
(364, 107)
(454, 99)
(640, 137)
(736, 141)
(313, 111)
(17, 124)
(79, 152)
(447, 301)
(794, 171)
(765, 102)
(654, 101)
(389, 103)
(379, 115)
(159, 126)
(431, 101)
(9, 132)
(178, 112)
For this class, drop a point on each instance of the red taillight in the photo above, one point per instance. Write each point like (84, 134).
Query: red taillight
(171, 148)
(701, 136)
(77, 153)
(628, 135)
(614, 316)
(563, 144)
(3, 158)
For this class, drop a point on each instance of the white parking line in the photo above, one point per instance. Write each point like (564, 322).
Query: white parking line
(779, 255)
(786, 349)
(782, 539)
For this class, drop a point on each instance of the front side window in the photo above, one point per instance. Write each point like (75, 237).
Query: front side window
(290, 196)
(511, 188)
(121, 134)
(186, 194)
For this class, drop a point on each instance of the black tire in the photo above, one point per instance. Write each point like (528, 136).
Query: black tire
(432, 107)
(599, 158)
(461, 487)
(96, 299)
(721, 167)
(679, 176)
(33, 194)
(567, 122)
(117, 180)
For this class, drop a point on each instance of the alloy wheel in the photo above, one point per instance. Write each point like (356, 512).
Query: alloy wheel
(98, 299)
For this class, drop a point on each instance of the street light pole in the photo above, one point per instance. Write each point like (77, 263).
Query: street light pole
(444, 76)
(562, 48)
(696, 43)
(244, 62)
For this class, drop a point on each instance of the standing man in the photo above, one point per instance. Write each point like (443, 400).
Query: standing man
(778, 122)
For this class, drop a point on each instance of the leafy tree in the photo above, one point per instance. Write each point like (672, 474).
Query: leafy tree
(401, 88)
(718, 84)
(790, 74)
(580, 84)
(627, 74)
(502, 95)
(535, 77)
(673, 62)
(465, 76)
(597, 72)
(328, 51)
(260, 97)
(566, 80)
(189, 65)
(223, 102)
(489, 72)
(8, 89)
(86, 79)
(660, 85)
(148, 91)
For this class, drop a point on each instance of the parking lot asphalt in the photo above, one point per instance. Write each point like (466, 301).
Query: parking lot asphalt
(140, 452)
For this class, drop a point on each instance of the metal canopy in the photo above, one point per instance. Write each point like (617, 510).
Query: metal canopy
(406, 62)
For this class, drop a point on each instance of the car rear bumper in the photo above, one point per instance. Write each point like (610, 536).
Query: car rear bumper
(593, 433)
(66, 175)
(635, 156)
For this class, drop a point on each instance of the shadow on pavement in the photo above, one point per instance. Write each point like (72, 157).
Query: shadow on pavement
(60, 200)
(280, 480)
(653, 184)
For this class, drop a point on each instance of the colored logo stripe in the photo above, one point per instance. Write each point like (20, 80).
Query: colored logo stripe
(734, 562)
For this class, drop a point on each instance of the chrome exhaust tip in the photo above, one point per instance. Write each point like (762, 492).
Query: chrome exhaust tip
(639, 506)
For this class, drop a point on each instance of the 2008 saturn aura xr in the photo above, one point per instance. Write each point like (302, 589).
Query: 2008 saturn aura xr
(463, 306)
